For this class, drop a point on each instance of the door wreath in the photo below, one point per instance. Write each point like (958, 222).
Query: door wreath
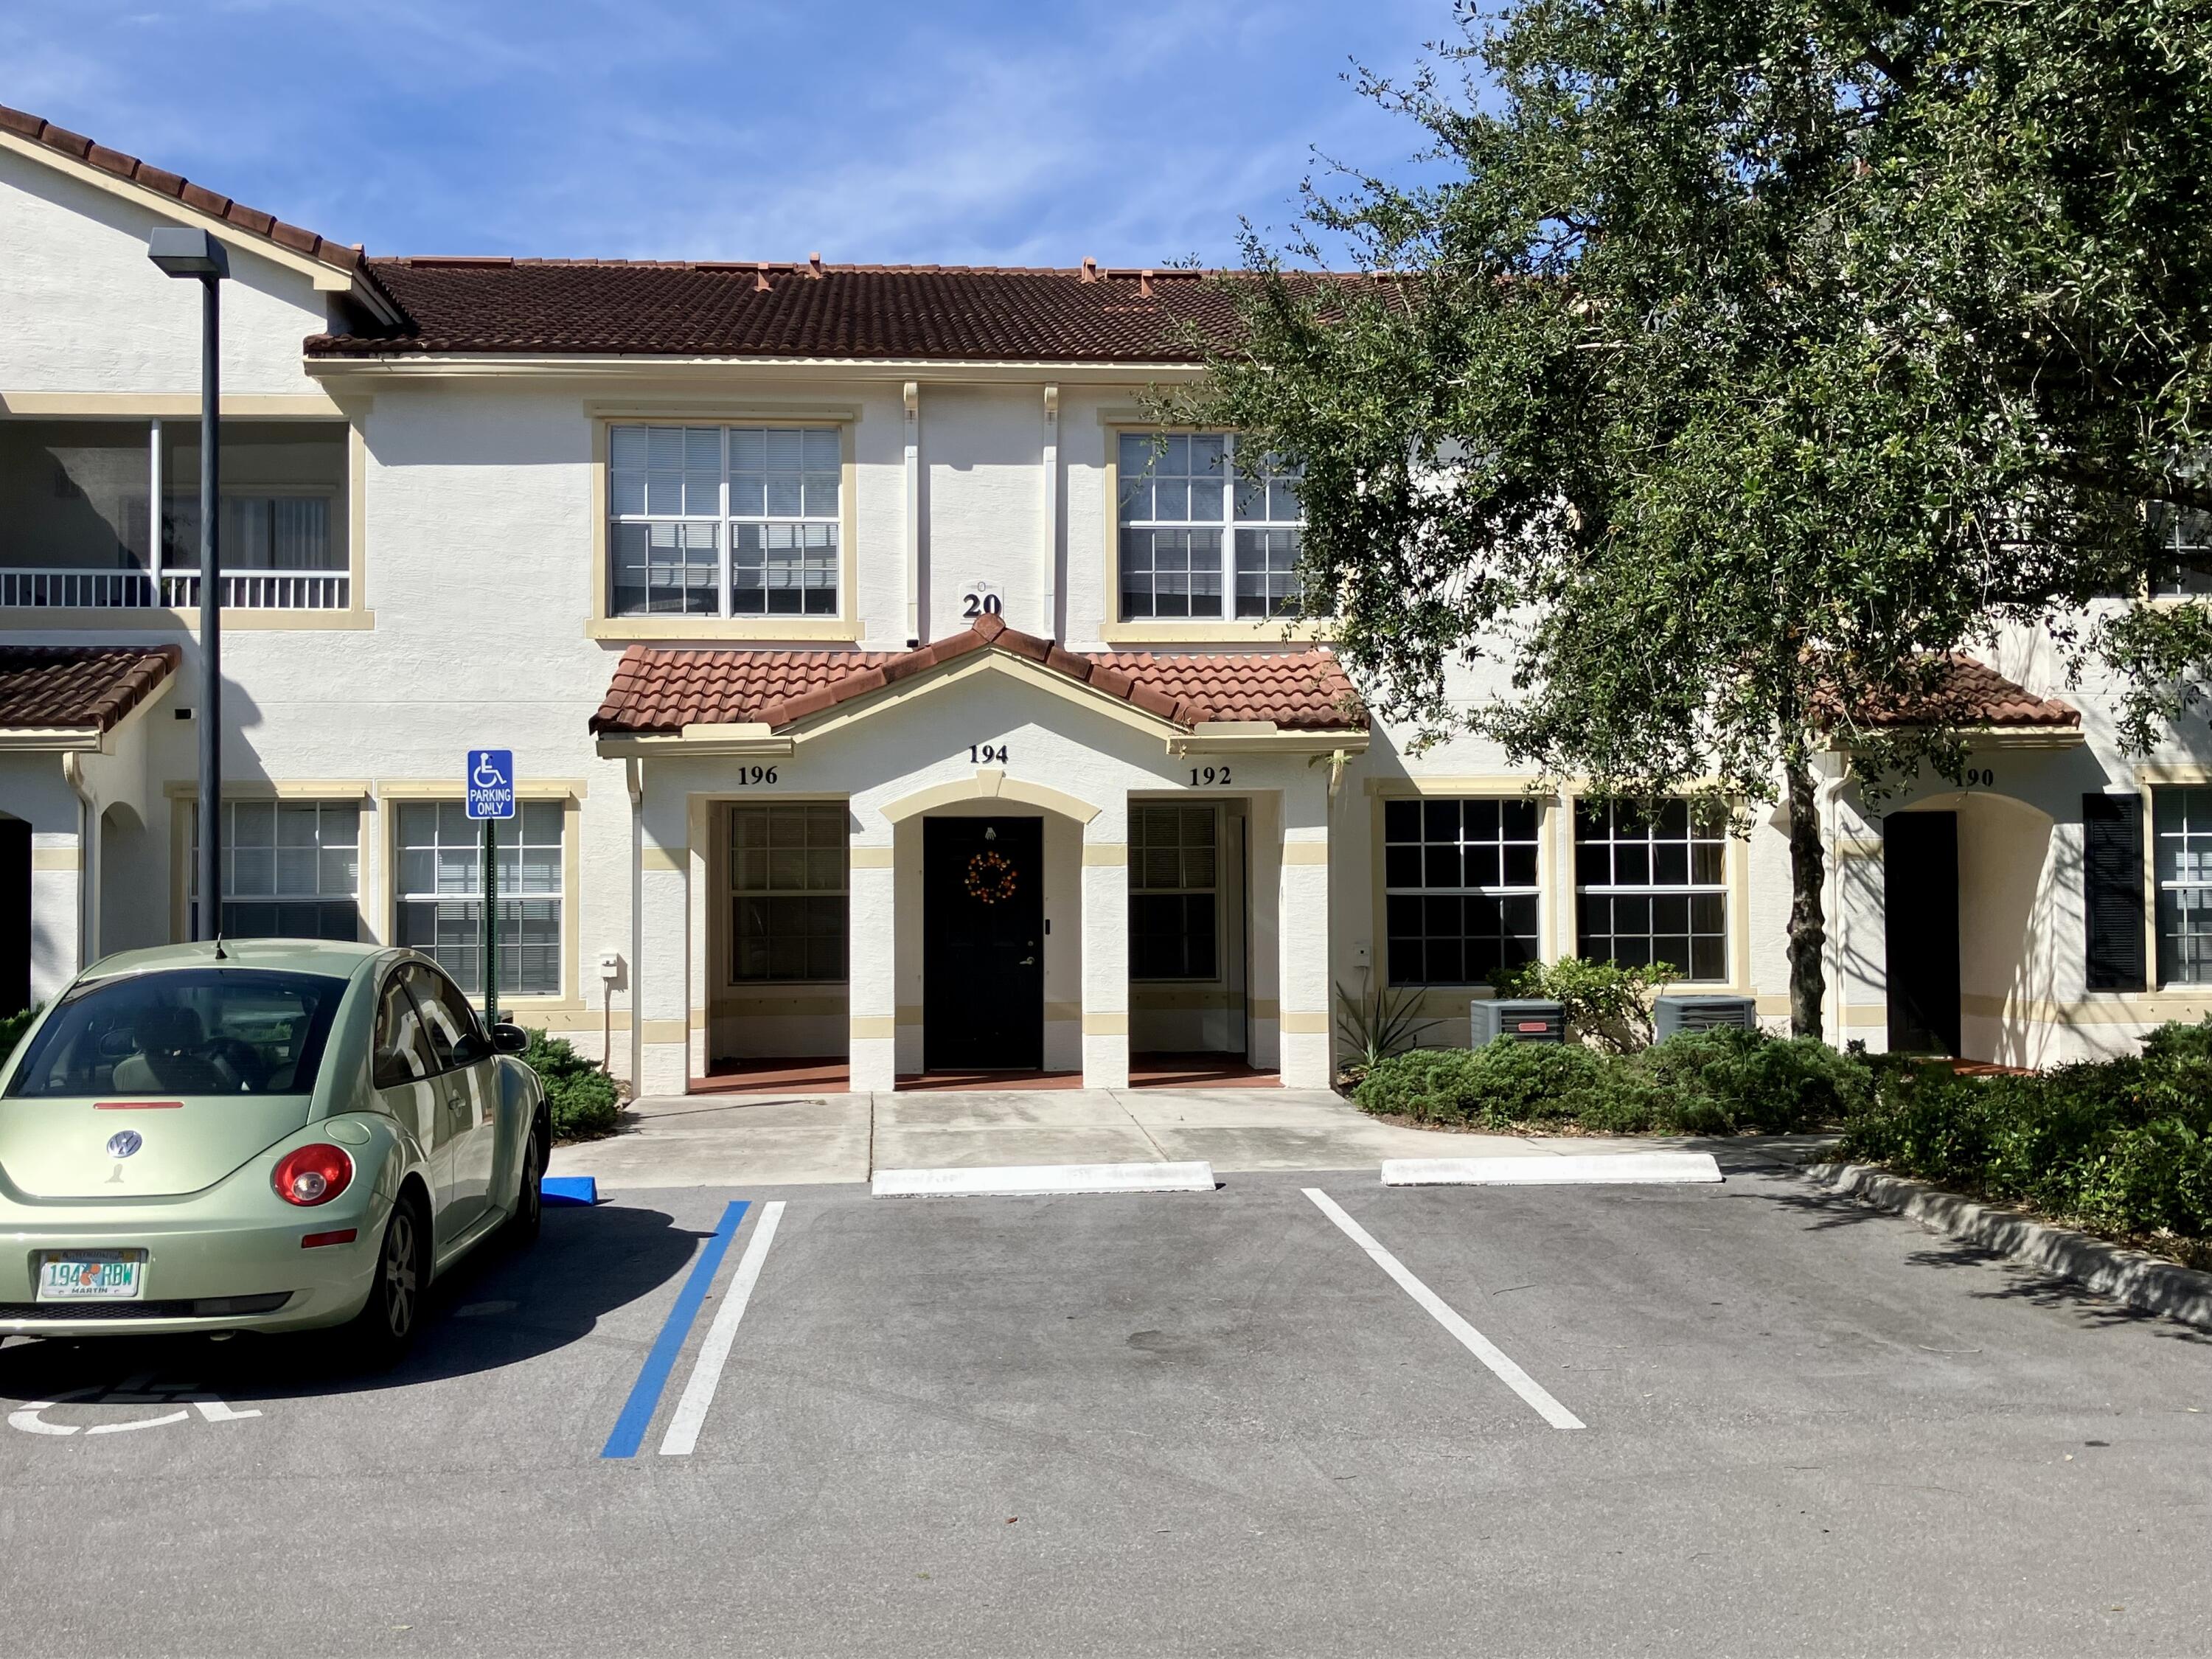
(991, 879)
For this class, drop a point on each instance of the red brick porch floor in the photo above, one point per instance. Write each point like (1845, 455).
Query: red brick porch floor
(829, 1077)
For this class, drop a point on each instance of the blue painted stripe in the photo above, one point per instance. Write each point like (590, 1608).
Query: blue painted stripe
(645, 1394)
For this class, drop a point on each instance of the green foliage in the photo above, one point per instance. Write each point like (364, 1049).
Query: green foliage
(582, 1098)
(2120, 1145)
(12, 1027)
(1744, 357)
(1606, 1004)
(1723, 1082)
(1375, 1024)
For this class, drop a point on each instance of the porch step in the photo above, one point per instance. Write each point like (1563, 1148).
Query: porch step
(1037, 1180)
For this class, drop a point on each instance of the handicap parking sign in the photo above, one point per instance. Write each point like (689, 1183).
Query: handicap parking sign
(491, 783)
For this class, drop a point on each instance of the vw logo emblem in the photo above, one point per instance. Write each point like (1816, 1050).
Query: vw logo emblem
(123, 1142)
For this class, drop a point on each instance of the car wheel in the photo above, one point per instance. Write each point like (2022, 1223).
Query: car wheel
(523, 1227)
(382, 1332)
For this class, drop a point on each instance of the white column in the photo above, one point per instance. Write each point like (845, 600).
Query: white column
(1264, 847)
(913, 402)
(663, 971)
(58, 948)
(871, 954)
(1302, 941)
(1106, 950)
(1048, 594)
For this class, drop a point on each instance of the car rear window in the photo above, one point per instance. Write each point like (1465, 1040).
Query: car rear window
(188, 1031)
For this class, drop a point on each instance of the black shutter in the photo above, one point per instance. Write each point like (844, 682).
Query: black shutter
(2112, 874)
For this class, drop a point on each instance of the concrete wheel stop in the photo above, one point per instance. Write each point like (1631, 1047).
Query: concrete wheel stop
(1043, 1180)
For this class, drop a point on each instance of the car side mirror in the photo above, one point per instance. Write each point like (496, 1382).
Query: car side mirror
(469, 1048)
(509, 1039)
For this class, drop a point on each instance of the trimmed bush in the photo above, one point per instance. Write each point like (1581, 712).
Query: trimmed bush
(1605, 1004)
(580, 1097)
(2120, 1147)
(12, 1027)
(1723, 1082)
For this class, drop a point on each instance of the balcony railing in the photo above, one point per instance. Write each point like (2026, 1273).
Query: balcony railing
(141, 590)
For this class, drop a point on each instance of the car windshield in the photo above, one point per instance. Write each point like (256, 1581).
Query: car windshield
(190, 1031)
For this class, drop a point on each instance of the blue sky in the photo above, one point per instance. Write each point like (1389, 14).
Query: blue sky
(965, 131)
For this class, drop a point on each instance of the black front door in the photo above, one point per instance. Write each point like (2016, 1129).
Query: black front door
(1920, 906)
(982, 944)
(15, 915)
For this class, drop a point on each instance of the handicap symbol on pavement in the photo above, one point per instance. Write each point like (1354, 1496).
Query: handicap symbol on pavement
(133, 1391)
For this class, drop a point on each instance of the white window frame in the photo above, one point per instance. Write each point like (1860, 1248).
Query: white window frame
(726, 520)
(470, 846)
(2167, 952)
(1691, 889)
(323, 892)
(1423, 891)
(1235, 490)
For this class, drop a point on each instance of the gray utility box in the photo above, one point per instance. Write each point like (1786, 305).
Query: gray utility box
(1525, 1019)
(1672, 1016)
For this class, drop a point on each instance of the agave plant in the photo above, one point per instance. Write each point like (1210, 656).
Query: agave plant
(1376, 1023)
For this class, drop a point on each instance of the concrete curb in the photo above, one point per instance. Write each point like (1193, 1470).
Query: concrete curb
(1573, 1169)
(1041, 1180)
(2143, 1282)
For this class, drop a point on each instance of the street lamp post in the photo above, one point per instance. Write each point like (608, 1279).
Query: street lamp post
(180, 252)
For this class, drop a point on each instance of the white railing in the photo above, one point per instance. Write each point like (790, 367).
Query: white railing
(108, 590)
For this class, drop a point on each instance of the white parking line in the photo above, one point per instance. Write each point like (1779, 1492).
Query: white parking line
(691, 1413)
(1469, 1338)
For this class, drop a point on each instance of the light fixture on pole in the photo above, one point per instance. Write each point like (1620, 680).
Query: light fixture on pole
(180, 252)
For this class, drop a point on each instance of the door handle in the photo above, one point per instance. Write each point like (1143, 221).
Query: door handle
(1027, 961)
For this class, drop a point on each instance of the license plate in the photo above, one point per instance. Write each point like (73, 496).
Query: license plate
(91, 1275)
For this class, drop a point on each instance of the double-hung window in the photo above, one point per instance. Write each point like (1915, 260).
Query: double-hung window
(440, 893)
(1174, 891)
(2181, 820)
(2183, 569)
(1198, 539)
(724, 522)
(290, 869)
(1460, 893)
(787, 891)
(1648, 885)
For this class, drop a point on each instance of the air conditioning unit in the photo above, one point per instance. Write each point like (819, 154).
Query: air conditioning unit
(1525, 1019)
(1672, 1016)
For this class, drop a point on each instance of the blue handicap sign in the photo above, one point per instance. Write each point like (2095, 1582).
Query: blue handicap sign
(491, 783)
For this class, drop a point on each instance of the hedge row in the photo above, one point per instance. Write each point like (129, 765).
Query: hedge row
(2118, 1146)
(1704, 1083)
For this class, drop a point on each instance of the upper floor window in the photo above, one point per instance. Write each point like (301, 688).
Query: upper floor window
(1648, 885)
(724, 522)
(1459, 892)
(77, 528)
(1197, 539)
(2183, 569)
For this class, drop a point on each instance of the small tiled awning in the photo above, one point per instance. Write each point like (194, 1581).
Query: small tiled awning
(1970, 696)
(80, 690)
(660, 691)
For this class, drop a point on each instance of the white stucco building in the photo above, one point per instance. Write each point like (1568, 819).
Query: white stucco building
(883, 693)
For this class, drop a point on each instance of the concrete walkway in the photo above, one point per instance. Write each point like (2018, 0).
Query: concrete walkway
(717, 1140)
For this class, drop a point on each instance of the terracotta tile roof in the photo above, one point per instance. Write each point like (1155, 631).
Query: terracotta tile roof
(928, 311)
(1972, 694)
(657, 690)
(79, 147)
(44, 687)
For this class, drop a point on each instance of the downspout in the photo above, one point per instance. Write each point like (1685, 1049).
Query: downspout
(634, 776)
(913, 399)
(1050, 587)
(87, 861)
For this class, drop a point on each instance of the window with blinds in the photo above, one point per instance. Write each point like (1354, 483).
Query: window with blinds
(440, 893)
(1198, 537)
(290, 869)
(724, 520)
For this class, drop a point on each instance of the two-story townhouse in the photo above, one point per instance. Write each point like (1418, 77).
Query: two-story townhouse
(886, 691)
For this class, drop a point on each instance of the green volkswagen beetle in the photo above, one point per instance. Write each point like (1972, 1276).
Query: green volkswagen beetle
(265, 1134)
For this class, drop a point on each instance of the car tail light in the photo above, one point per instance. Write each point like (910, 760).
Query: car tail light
(313, 1174)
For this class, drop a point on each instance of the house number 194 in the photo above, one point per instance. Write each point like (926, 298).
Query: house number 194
(987, 754)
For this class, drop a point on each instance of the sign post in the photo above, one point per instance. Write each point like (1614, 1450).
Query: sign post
(490, 798)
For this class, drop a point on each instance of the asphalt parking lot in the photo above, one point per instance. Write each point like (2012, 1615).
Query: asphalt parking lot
(1210, 1423)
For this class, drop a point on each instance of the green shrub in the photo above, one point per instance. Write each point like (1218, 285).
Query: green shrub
(2120, 1145)
(1702, 1083)
(580, 1097)
(1376, 1025)
(13, 1026)
(1605, 1003)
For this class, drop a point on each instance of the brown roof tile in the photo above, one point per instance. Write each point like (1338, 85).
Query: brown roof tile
(548, 306)
(44, 687)
(198, 196)
(1968, 693)
(663, 690)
